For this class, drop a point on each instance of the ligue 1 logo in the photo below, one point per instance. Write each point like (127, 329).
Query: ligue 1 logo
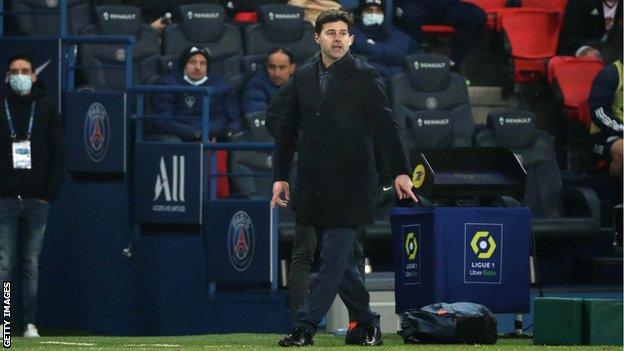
(241, 241)
(96, 132)
(51, 3)
(120, 54)
(190, 15)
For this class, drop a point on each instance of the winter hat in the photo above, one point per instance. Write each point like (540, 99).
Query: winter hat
(191, 51)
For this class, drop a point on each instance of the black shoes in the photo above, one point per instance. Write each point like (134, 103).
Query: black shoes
(299, 336)
(372, 337)
(359, 334)
(355, 334)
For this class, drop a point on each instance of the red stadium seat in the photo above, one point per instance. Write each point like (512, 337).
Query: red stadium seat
(533, 35)
(574, 77)
(437, 29)
(246, 17)
(491, 8)
(584, 113)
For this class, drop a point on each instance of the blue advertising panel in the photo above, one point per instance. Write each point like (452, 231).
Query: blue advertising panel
(168, 183)
(478, 255)
(96, 132)
(241, 241)
(45, 55)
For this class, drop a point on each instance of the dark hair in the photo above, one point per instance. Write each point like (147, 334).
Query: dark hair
(19, 56)
(284, 51)
(330, 16)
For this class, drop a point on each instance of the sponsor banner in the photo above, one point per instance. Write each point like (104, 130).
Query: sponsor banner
(411, 254)
(96, 132)
(241, 240)
(483, 253)
(168, 183)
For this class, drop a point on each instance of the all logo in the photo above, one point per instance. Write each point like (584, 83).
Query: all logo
(172, 190)
(241, 241)
(96, 132)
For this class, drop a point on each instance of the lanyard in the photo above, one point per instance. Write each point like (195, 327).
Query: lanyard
(10, 120)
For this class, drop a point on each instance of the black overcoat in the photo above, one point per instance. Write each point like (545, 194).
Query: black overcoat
(336, 175)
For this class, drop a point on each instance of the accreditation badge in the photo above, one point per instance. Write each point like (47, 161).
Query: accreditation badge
(21, 155)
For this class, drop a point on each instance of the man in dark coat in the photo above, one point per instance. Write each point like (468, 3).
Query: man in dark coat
(32, 162)
(591, 24)
(335, 105)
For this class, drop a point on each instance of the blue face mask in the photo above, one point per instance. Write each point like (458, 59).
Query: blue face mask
(369, 19)
(21, 83)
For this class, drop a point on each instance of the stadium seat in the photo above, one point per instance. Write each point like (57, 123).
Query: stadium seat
(251, 162)
(572, 79)
(203, 24)
(283, 26)
(41, 24)
(556, 211)
(119, 20)
(427, 85)
(491, 8)
(533, 35)
(437, 29)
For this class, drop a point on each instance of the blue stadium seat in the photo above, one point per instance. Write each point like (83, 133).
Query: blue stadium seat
(280, 26)
(119, 20)
(431, 103)
(203, 24)
(33, 24)
(556, 211)
(249, 162)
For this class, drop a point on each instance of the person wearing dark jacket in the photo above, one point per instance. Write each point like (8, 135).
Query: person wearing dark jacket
(280, 66)
(335, 104)
(467, 19)
(224, 109)
(383, 45)
(606, 105)
(32, 161)
(592, 24)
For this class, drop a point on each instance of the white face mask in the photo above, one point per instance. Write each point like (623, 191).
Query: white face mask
(195, 82)
(21, 83)
(369, 19)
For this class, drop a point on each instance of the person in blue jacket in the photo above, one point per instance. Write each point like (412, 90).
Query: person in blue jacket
(280, 66)
(224, 110)
(467, 19)
(384, 45)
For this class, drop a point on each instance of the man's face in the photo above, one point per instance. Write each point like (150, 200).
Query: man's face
(197, 67)
(22, 67)
(279, 68)
(334, 40)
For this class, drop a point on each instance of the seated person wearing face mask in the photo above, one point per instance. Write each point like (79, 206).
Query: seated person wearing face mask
(382, 44)
(224, 109)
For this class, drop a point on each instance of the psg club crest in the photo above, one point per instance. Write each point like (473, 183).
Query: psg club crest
(241, 240)
(96, 132)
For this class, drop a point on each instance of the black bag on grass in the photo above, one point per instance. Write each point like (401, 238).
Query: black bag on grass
(449, 323)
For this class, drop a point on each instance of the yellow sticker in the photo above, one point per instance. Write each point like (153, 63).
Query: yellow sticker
(418, 177)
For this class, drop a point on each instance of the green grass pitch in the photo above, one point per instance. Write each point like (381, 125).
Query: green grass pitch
(258, 342)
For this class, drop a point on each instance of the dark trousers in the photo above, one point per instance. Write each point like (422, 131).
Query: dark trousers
(338, 274)
(304, 248)
(467, 19)
(22, 225)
